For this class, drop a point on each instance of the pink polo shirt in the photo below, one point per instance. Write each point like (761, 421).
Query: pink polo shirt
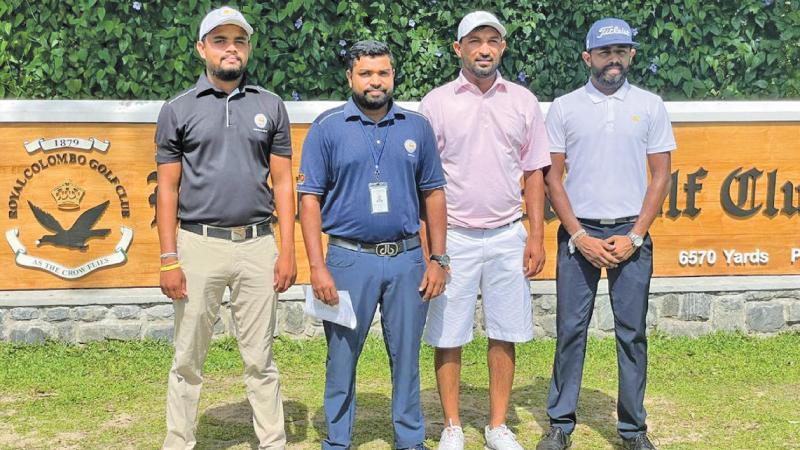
(486, 141)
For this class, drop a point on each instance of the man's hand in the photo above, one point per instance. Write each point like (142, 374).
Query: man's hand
(324, 287)
(597, 252)
(285, 272)
(622, 247)
(173, 284)
(534, 257)
(433, 281)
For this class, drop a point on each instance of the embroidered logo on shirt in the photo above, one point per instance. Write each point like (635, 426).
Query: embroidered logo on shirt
(301, 178)
(260, 120)
(635, 118)
(410, 145)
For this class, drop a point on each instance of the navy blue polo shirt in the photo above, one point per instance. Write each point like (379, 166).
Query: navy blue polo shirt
(338, 163)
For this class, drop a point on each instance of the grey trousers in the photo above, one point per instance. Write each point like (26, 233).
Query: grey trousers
(576, 286)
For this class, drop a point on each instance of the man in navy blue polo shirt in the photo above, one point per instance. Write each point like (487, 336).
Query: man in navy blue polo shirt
(364, 169)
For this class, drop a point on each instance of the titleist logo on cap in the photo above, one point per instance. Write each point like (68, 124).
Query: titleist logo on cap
(612, 29)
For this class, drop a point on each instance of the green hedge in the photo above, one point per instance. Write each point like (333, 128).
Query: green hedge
(691, 49)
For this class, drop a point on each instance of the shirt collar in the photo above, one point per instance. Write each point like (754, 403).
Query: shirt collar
(598, 96)
(204, 86)
(463, 84)
(351, 111)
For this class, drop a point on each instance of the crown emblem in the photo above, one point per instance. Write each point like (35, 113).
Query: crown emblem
(68, 195)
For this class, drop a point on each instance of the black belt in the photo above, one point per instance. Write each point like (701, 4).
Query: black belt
(235, 234)
(598, 222)
(381, 249)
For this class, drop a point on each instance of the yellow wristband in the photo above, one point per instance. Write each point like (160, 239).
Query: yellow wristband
(169, 267)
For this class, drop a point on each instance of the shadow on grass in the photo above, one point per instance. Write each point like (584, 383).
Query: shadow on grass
(231, 425)
(374, 423)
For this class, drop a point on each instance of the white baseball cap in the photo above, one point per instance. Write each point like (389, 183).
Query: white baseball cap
(477, 19)
(223, 16)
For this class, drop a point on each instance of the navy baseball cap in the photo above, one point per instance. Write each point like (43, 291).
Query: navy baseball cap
(609, 31)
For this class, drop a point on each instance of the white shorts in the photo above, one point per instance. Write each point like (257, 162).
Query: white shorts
(489, 261)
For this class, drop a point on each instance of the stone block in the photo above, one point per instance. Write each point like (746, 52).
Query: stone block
(695, 307)
(728, 314)
(65, 332)
(765, 317)
(548, 324)
(90, 313)
(220, 328)
(29, 334)
(91, 332)
(674, 327)
(651, 320)
(544, 304)
(160, 312)
(294, 319)
(126, 312)
(123, 331)
(57, 314)
(793, 312)
(670, 305)
(24, 313)
(603, 313)
(159, 332)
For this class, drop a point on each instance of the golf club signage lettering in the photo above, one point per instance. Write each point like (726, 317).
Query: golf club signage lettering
(68, 197)
(743, 194)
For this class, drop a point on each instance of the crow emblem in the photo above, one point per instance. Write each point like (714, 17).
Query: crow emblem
(77, 235)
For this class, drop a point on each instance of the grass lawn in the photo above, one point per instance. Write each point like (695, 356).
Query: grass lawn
(716, 392)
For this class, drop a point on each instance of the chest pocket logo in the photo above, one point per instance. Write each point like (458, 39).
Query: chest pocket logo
(260, 120)
(411, 146)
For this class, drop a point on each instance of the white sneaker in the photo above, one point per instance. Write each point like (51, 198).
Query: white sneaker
(500, 438)
(452, 438)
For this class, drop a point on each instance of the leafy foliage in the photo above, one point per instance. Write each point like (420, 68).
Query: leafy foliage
(691, 49)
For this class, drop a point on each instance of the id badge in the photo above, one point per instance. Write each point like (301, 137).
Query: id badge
(379, 198)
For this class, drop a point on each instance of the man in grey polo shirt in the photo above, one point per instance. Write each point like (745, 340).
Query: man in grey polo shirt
(217, 144)
(606, 133)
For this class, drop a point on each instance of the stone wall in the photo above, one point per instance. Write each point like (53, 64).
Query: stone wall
(680, 307)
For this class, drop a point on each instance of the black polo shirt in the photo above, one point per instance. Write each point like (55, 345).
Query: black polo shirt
(223, 142)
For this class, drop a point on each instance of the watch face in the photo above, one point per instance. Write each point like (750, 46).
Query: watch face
(443, 260)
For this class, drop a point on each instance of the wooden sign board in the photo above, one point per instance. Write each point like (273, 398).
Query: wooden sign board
(79, 207)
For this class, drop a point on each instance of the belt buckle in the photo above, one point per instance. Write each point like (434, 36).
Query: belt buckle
(387, 249)
(238, 234)
(608, 221)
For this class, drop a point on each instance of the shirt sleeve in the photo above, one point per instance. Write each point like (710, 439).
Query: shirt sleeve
(535, 152)
(169, 136)
(426, 109)
(429, 170)
(555, 129)
(313, 175)
(282, 139)
(660, 137)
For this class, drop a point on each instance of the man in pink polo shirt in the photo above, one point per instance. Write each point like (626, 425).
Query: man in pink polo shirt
(490, 134)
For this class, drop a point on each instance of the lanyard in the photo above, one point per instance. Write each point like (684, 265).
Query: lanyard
(376, 152)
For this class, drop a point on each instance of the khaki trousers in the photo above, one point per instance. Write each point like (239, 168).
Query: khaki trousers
(246, 267)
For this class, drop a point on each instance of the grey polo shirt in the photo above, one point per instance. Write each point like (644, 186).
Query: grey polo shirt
(223, 142)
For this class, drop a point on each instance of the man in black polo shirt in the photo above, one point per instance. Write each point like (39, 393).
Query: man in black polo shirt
(217, 144)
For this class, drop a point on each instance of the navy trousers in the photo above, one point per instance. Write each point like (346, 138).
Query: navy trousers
(576, 286)
(391, 282)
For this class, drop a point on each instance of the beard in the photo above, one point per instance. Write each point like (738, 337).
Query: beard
(601, 75)
(482, 72)
(364, 101)
(226, 74)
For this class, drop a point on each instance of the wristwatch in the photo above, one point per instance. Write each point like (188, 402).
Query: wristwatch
(442, 260)
(636, 240)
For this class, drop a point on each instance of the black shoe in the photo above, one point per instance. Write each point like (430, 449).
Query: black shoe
(640, 442)
(554, 439)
